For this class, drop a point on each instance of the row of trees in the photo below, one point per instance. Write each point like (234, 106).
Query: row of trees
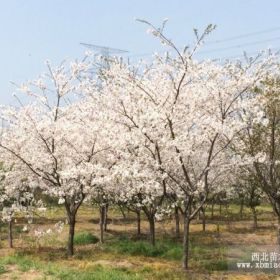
(155, 138)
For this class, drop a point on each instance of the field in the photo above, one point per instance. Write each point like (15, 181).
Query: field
(125, 256)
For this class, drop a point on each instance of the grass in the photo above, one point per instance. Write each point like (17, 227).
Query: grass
(2, 269)
(84, 238)
(123, 256)
(207, 257)
(166, 248)
(96, 272)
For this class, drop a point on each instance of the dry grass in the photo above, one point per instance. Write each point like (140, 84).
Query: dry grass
(89, 258)
(13, 272)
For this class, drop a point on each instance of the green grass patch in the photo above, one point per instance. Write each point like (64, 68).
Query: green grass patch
(165, 248)
(215, 265)
(207, 257)
(23, 263)
(2, 269)
(84, 238)
(97, 272)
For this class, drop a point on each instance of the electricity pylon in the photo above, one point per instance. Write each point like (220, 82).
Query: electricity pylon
(104, 52)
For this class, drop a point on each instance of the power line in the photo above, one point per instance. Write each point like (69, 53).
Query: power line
(276, 50)
(241, 45)
(229, 39)
(243, 36)
(218, 49)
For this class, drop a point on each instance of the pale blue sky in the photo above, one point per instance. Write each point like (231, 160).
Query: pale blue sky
(35, 30)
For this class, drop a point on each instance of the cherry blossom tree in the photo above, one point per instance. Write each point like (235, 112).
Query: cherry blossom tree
(58, 138)
(137, 188)
(180, 115)
(17, 194)
(248, 188)
(258, 145)
(157, 135)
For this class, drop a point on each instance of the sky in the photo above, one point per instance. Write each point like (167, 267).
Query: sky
(33, 31)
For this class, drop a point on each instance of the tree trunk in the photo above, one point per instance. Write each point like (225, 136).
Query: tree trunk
(152, 230)
(186, 240)
(122, 211)
(10, 233)
(255, 219)
(203, 218)
(241, 209)
(71, 210)
(138, 223)
(278, 241)
(278, 232)
(106, 217)
(72, 222)
(177, 223)
(212, 210)
(101, 222)
(220, 210)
